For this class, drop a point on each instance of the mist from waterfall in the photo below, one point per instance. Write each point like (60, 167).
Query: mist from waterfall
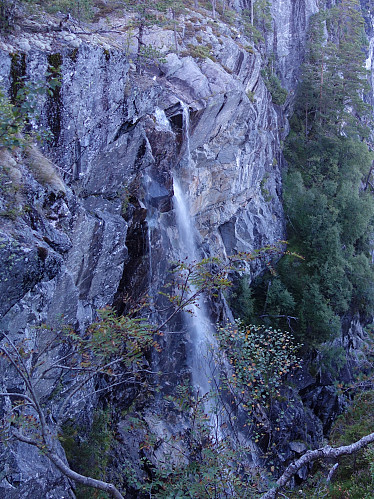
(199, 324)
(205, 376)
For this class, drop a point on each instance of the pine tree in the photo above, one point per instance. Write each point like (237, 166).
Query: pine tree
(330, 213)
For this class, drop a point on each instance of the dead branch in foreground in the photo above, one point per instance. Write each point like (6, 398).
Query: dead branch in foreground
(312, 455)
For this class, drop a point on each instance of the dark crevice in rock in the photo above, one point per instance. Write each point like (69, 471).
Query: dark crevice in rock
(134, 281)
(195, 118)
(227, 231)
(17, 73)
(54, 104)
(223, 104)
(175, 116)
(239, 63)
(142, 150)
(78, 159)
(127, 126)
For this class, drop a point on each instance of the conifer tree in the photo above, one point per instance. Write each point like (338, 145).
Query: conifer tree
(330, 213)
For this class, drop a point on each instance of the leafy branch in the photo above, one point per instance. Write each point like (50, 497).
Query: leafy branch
(112, 348)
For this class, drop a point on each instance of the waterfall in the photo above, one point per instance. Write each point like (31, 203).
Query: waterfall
(204, 345)
(199, 324)
(202, 330)
(186, 135)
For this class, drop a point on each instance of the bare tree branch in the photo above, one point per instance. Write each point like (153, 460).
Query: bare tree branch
(331, 472)
(65, 470)
(20, 395)
(46, 442)
(312, 455)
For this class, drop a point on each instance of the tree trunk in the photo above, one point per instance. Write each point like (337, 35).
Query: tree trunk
(312, 455)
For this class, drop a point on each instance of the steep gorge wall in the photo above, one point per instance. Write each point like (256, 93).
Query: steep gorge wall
(109, 228)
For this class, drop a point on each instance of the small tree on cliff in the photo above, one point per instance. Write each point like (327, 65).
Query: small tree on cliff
(112, 349)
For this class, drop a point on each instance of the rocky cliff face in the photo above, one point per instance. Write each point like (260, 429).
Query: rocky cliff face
(99, 222)
(287, 40)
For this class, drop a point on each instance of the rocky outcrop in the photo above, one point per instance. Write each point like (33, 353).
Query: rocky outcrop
(110, 230)
(288, 38)
(101, 225)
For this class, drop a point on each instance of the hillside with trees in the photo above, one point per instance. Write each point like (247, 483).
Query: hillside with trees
(186, 240)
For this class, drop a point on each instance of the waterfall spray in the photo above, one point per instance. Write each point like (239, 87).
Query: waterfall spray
(204, 346)
(199, 324)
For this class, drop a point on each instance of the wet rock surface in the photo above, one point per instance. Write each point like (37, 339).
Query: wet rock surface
(103, 226)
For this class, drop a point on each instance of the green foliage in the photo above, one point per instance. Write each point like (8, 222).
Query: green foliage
(147, 55)
(279, 300)
(229, 16)
(261, 358)
(80, 9)
(330, 222)
(113, 335)
(331, 359)
(89, 454)
(355, 475)
(200, 51)
(241, 300)
(262, 15)
(334, 77)
(264, 190)
(10, 184)
(7, 11)
(273, 84)
(250, 30)
(250, 95)
(11, 123)
(255, 28)
(19, 120)
(329, 212)
(199, 464)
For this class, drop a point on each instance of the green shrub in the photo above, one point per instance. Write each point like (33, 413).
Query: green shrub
(273, 84)
(355, 475)
(200, 51)
(251, 96)
(11, 123)
(81, 9)
(148, 55)
(200, 464)
(241, 300)
(18, 120)
(261, 357)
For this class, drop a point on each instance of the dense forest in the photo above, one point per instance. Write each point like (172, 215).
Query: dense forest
(251, 426)
(328, 199)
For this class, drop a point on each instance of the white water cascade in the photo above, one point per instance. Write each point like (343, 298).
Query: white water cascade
(199, 324)
(201, 330)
